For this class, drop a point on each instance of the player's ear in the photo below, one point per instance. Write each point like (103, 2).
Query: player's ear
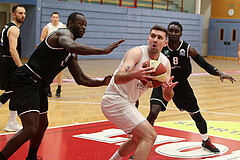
(14, 15)
(70, 24)
(166, 42)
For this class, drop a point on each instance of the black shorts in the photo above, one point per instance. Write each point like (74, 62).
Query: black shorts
(157, 98)
(183, 98)
(7, 68)
(29, 93)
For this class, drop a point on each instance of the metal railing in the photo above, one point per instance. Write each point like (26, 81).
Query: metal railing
(187, 6)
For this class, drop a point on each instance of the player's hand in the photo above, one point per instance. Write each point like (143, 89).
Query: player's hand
(225, 76)
(112, 46)
(143, 74)
(106, 80)
(169, 85)
(167, 88)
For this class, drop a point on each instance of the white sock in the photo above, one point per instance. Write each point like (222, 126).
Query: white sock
(12, 116)
(116, 156)
(1, 104)
(204, 136)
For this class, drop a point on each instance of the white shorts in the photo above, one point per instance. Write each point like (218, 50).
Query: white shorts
(121, 112)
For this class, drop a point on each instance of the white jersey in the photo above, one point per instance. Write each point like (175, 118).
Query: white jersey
(52, 28)
(133, 89)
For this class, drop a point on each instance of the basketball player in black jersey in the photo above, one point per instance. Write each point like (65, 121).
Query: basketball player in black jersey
(29, 81)
(10, 52)
(179, 52)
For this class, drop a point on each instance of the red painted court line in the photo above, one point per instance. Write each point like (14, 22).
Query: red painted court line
(99, 140)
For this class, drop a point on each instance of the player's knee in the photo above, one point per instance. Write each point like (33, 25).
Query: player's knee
(197, 117)
(30, 131)
(154, 111)
(152, 135)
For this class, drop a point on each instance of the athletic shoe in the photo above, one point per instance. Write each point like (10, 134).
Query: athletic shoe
(58, 92)
(131, 157)
(209, 146)
(13, 127)
(38, 158)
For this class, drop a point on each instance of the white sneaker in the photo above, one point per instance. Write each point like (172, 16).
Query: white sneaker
(13, 127)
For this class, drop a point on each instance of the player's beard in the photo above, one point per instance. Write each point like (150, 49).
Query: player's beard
(154, 51)
(20, 20)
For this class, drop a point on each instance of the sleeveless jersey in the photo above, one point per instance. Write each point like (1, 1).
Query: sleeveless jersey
(47, 61)
(132, 90)
(4, 42)
(180, 62)
(52, 28)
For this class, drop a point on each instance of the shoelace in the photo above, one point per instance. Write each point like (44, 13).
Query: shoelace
(210, 144)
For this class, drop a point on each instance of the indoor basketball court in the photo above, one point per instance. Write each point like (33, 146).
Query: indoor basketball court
(79, 131)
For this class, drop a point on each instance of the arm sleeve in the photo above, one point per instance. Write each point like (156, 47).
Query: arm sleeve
(205, 65)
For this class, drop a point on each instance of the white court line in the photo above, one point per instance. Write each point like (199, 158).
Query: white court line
(229, 114)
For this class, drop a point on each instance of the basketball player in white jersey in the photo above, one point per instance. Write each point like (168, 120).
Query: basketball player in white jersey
(49, 28)
(125, 88)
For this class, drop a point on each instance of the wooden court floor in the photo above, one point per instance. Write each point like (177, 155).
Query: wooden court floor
(219, 101)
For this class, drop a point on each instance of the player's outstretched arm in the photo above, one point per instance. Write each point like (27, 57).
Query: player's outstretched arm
(208, 67)
(66, 41)
(82, 79)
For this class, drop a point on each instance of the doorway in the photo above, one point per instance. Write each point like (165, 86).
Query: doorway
(226, 39)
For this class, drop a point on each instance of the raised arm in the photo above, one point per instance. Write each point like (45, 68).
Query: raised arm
(82, 79)
(66, 41)
(208, 67)
(128, 71)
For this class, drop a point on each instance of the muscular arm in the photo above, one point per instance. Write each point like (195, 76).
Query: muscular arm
(206, 66)
(82, 79)
(66, 41)
(13, 35)
(44, 33)
(128, 71)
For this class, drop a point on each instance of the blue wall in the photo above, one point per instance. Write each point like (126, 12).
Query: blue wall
(107, 24)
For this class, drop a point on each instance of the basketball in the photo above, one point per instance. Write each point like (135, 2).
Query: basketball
(160, 74)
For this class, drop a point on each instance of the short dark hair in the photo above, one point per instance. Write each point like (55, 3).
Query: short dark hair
(159, 28)
(14, 8)
(55, 13)
(177, 24)
(72, 17)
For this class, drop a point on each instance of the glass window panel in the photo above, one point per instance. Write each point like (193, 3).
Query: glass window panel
(128, 3)
(189, 6)
(221, 35)
(160, 5)
(234, 34)
(144, 4)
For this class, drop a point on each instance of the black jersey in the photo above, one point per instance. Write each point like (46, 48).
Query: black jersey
(4, 42)
(47, 62)
(180, 62)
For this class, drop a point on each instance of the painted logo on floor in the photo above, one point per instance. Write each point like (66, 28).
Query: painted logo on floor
(99, 140)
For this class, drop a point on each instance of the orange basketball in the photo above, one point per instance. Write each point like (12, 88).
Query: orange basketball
(160, 74)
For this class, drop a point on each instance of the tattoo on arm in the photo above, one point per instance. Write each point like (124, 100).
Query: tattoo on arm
(128, 67)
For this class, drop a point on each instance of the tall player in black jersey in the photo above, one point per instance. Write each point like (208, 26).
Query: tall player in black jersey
(178, 53)
(10, 52)
(29, 81)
